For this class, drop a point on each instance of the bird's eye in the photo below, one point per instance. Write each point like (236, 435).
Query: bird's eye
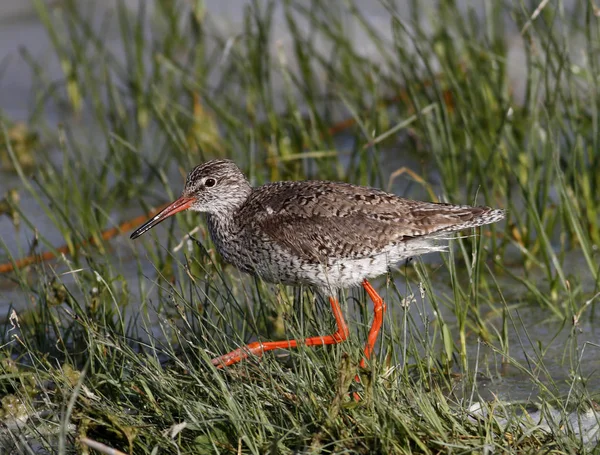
(208, 183)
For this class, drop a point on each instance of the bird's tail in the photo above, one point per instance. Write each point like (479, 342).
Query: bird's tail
(479, 216)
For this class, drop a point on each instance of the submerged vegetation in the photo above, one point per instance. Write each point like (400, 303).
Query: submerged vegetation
(109, 342)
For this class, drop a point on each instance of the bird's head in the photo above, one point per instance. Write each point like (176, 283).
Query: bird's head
(217, 187)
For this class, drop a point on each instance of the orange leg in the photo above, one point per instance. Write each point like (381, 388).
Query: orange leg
(379, 310)
(259, 348)
(379, 307)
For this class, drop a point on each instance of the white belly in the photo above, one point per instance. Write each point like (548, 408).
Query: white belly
(341, 273)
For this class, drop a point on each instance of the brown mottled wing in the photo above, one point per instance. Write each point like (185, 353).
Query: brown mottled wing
(325, 220)
(318, 239)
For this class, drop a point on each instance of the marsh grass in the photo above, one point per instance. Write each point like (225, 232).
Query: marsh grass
(114, 350)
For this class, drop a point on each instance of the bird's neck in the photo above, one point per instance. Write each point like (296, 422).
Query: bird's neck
(223, 222)
(224, 229)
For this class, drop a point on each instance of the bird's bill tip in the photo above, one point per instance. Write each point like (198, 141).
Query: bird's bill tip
(183, 203)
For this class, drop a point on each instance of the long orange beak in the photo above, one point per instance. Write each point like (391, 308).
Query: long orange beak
(179, 205)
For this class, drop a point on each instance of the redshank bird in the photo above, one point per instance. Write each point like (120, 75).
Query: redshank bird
(323, 234)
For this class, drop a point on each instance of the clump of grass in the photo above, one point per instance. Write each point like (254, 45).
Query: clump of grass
(114, 346)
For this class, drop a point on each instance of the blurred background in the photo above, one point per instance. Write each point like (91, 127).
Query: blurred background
(105, 107)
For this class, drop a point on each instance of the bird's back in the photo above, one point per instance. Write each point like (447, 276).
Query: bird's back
(320, 221)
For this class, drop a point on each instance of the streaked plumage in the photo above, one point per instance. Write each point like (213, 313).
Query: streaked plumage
(324, 234)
